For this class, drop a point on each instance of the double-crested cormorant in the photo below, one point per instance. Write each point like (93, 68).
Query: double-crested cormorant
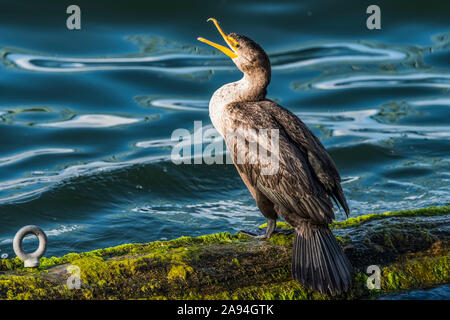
(306, 179)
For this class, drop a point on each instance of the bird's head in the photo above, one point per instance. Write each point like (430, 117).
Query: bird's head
(246, 54)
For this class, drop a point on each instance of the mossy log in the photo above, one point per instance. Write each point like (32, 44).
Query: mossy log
(410, 247)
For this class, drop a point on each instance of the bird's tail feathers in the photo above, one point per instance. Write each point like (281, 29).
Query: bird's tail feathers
(318, 261)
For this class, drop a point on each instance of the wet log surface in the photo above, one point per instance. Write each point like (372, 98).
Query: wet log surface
(411, 248)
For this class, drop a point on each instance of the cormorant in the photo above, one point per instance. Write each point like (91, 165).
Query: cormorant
(306, 180)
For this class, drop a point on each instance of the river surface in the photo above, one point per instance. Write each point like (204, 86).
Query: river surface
(86, 116)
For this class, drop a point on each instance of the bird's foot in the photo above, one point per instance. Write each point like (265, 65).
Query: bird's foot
(270, 231)
(254, 235)
(265, 235)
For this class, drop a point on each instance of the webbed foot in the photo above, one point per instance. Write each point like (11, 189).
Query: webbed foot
(270, 231)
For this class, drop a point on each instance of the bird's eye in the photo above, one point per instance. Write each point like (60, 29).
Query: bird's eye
(233, 41)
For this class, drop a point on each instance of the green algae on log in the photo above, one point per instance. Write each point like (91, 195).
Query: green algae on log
(410, 247)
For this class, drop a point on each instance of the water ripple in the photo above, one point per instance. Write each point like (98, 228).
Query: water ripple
(334, 53)
(91, 121)
(32, 153)
(173, 104)
(188, 63)
(362, 123)
(50, 233)
(436, 80)
(169, 63)
(435, 102)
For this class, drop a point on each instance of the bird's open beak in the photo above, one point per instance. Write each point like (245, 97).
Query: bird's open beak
(232, 52)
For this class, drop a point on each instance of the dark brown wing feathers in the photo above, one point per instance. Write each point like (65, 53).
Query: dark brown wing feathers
(307, 176)
(319, 159)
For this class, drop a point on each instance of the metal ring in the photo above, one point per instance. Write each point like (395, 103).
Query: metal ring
(30, 260)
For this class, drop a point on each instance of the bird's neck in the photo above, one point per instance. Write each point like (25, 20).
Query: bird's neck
(252, 87)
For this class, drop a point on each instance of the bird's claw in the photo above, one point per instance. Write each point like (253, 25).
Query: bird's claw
(265, 235)
(253, 235)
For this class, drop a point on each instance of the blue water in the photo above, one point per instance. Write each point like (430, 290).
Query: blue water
(86, 116)
(438, 293)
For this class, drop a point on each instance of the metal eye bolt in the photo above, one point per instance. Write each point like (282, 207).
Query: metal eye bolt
(31, 260)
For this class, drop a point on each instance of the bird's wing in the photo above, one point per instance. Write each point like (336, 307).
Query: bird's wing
(319, 159)
(292, 186)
